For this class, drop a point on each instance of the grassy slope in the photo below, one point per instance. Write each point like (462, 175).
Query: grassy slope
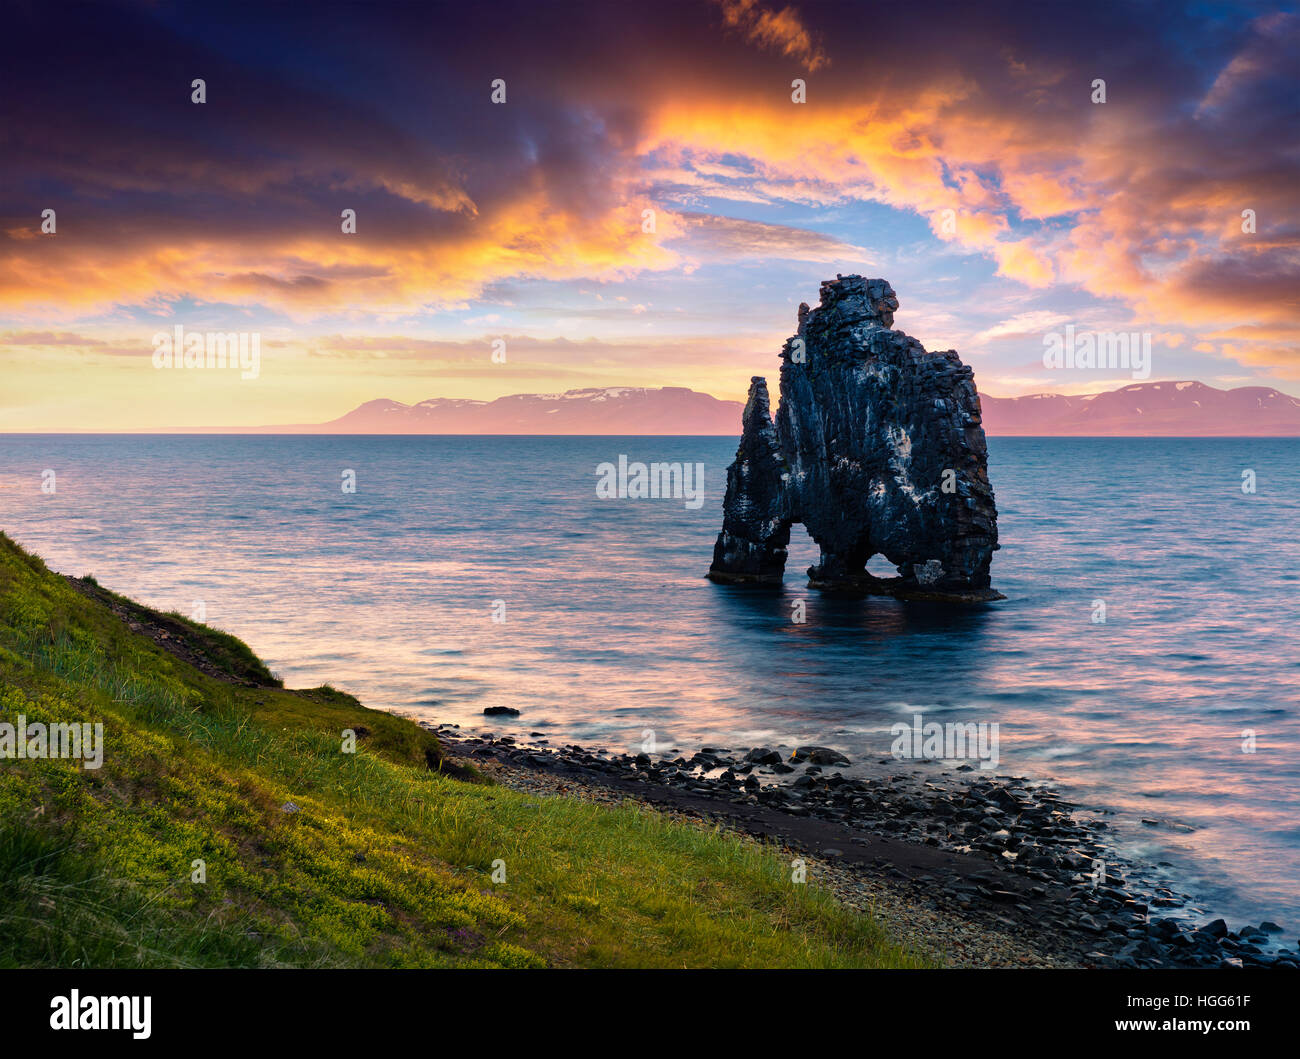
(387, 862)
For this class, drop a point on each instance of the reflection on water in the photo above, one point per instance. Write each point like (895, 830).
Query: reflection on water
(611, 629)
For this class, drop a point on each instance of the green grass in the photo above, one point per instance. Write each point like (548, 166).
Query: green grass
(388, 860)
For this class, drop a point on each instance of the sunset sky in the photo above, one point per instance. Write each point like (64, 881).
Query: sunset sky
(523, 220)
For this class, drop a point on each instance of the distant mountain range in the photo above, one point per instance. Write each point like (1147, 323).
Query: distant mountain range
(1155, 409)
(613, 410)
(1167, 409)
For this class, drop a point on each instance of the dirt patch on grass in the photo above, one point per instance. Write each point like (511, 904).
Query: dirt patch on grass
(210, 652)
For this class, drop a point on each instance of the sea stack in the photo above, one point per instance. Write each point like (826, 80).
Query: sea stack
(877, 449)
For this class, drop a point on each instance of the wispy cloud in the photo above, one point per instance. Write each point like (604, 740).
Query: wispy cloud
(1022, 324)
(780, 31)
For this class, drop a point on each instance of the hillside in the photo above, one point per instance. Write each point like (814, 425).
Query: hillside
(314, 856)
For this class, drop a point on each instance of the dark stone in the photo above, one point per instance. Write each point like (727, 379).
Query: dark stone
(500, 711)
(763, 755)
(877, 448)
(1217, 929)
(820, 755)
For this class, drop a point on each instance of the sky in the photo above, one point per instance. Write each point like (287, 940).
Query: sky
(648, 205)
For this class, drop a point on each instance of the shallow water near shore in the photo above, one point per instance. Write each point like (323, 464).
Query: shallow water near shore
(611, 630)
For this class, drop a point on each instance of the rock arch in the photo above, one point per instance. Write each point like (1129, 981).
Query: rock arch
(877, 449)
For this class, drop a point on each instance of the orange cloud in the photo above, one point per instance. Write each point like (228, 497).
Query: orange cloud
(1147, 208)
(782, 31)
(308, 273)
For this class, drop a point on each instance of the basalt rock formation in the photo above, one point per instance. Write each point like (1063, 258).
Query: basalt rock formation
(877, 448)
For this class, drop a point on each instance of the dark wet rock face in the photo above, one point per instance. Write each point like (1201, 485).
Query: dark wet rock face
(755, 523)
(877, 448)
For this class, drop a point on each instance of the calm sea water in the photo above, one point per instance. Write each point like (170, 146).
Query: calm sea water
(610, 628)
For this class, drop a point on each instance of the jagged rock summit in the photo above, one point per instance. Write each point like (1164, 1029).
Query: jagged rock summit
(877, 448)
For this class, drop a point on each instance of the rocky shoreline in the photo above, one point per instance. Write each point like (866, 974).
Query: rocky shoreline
(981, 870)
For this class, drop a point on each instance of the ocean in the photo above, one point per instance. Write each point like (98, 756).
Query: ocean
(467, 572)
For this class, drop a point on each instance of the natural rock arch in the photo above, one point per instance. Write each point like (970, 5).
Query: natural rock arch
(877, 449)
